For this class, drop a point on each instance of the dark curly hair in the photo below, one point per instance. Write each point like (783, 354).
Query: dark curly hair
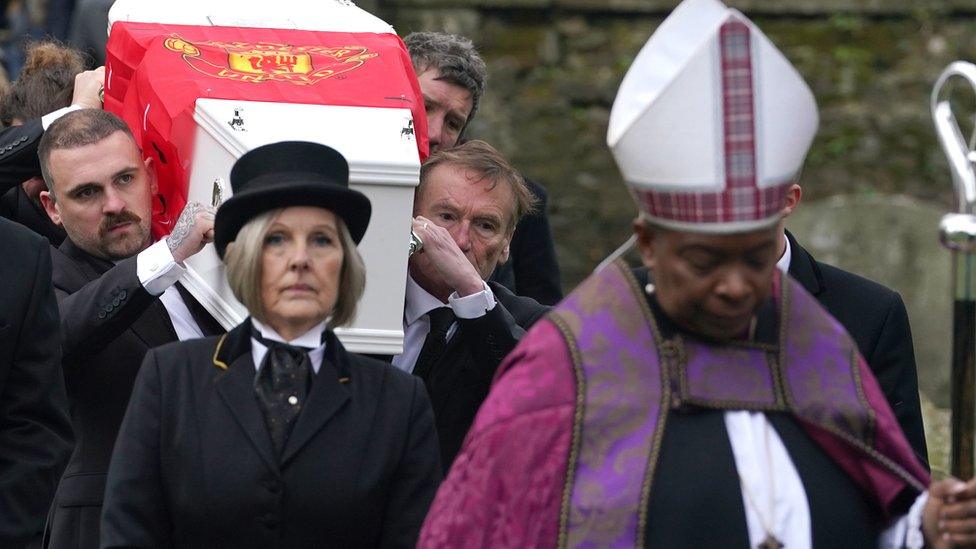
(46, 82)
(454, 57)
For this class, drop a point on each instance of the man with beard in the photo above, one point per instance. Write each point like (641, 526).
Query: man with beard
(117, 292)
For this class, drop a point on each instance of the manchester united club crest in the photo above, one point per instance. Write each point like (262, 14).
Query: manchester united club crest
(264, 62)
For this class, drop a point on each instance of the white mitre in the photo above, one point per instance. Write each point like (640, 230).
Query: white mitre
(711, 124)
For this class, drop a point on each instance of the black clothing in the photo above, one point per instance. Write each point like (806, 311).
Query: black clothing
(194, 466)
(35, 433)
(18, 163)
(459, 381)
(16, 206)
(108, 323)
(441, 320)
(280, 387)
(18, 154)
(696, 446)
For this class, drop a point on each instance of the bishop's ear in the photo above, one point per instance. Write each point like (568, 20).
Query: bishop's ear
(645, 241)
(793, 197)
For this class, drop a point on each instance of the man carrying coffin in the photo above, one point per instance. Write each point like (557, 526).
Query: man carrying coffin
(452, 78)
(720, 406)
(117, 292)
(457, 327)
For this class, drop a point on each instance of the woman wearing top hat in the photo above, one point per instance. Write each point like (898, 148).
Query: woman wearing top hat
(273, 435)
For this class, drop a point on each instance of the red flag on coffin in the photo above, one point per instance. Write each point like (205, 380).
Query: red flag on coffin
(156, 72)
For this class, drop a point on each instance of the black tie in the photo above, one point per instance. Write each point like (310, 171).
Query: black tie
(281, 387)
(441, 320)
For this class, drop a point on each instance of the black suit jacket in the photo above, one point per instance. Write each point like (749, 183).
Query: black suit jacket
(108, 323)
(458, 383)
(532, 269)
(16, 206)
(194, 465)
(876, 318)
(18, 154)
(35, 434)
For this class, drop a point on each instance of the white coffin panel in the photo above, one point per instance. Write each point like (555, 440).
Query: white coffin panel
(381, 150)
(319, 15)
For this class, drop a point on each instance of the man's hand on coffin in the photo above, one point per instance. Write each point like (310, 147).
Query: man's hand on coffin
(949, 518)
(444, 254)
(88, 86)
(193, 230)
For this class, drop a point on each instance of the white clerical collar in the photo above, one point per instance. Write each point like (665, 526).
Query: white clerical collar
(419, 302)
(311, 339)
(784, 262)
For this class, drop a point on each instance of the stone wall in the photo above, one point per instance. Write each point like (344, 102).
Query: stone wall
(875, 183)
(555, 66)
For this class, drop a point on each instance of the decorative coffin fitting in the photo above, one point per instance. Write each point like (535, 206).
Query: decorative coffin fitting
(198, 95)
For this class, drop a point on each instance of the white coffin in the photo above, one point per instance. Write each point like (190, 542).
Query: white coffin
(322, 15)
(381, 150)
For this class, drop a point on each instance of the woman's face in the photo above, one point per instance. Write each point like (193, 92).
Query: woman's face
(301, 264)
(711, 284)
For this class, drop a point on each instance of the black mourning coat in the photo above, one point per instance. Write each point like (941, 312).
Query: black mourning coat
(458, 383)
(18, 154)
(876, 318)
(18, 163)
(194, 465)
(35, 434)
(108, 323)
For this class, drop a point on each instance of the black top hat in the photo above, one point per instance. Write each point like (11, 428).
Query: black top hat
(290, 173)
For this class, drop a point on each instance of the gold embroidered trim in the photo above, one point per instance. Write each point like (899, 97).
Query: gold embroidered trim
(898, 470)
(786, 297)
(574, 447)
(219, 363)
(870, 435)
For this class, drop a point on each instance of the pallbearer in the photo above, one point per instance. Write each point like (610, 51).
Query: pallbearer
(718, 405)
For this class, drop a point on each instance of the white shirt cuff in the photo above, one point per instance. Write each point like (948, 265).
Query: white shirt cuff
(474, 305)
(50, 117)
(906, 531)
(156, 268)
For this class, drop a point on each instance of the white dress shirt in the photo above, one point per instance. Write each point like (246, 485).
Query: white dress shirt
(311, 339)
(50, 117)
(416, 323)
(158, 272)
(784, 262)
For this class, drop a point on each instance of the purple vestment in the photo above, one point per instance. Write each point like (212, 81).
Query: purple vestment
(563, 451)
